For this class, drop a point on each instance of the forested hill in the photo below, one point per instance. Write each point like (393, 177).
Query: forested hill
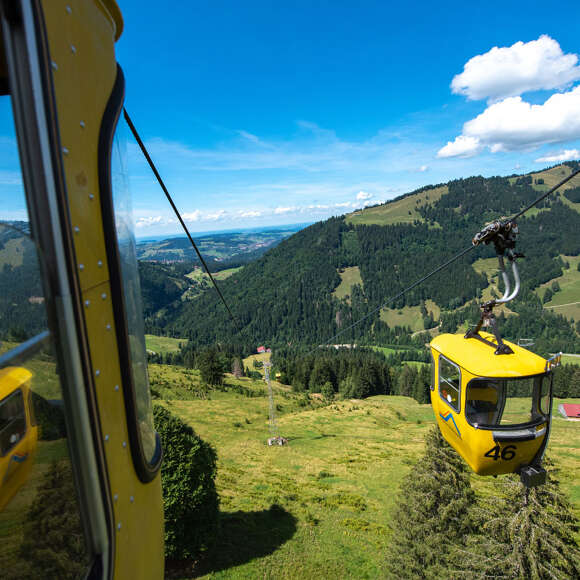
(331, 273)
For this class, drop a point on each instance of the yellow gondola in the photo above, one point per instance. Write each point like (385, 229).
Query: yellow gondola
(18, 431)
(493, 399)
(493, 410)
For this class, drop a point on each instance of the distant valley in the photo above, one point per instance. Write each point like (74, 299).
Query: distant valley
(218, 248)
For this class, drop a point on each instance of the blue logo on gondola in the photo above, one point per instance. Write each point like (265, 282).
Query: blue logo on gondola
(446, 419)
(20, 458)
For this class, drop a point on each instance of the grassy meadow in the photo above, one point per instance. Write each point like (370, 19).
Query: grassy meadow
(163, 344)
(409, 316)
(403, 211)
(349, 277)
(320, 506)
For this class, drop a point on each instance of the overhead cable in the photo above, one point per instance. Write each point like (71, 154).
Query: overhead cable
(169, 198)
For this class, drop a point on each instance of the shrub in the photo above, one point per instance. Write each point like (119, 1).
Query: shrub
(189, 495)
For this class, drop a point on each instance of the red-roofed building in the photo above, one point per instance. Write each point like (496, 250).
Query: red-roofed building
(569, 411)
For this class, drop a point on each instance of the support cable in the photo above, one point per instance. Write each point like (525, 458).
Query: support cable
(169, 198)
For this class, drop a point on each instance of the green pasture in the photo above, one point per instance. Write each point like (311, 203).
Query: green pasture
(320, 506)
(565, 301)
(163, 344)
(409, 315)
(349, 277)
(397, 212)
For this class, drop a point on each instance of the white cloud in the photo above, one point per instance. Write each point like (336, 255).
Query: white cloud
(513, 124)
(566, 155)
(193, 216)
(216, 216)
(145, 222)
(363, 195)
(250, 213)
(423, 168)
(513, 70)
(462, 147)
(283, 210)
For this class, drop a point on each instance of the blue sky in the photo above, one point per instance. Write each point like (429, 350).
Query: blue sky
(263, 113)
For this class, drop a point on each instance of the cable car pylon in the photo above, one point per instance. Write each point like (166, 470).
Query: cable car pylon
(275, 438)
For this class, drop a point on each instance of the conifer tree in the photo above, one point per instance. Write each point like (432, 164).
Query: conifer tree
(433, 513)
(528, 534)
(53, 544)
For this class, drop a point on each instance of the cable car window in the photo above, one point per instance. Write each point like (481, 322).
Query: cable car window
(432, 386)
(12, 421)
(131, 296)
(507, 402)
(449, 382)
(39, 509)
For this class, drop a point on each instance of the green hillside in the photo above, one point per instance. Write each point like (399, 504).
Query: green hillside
(314, 283)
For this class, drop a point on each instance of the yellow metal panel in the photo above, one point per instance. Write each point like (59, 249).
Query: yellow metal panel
(81, 44)
(480, 359)
(137, 506)
(81, 36)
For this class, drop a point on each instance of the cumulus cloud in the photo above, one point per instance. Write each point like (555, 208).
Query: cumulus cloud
(145, 222)
(566, 155)
(462, 146)
(514, 124)
(363, 195)
(193, 216)
(513, 70)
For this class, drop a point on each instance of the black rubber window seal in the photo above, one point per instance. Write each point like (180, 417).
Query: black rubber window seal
(146, 471)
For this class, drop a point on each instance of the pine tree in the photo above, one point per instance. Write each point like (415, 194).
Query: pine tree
(211, 368)
(527, 534)
(433, 513)
(53, 543)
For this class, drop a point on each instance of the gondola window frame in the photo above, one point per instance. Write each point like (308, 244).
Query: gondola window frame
(457, 408)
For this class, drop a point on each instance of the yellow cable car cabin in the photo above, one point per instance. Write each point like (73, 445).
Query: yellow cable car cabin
(494, 410)
(71, 327)
(18, 431)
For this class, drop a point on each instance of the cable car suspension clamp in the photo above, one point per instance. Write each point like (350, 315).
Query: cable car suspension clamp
(503, 236)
